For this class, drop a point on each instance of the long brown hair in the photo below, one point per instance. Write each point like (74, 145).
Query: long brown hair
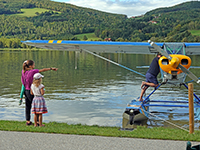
(26, 64)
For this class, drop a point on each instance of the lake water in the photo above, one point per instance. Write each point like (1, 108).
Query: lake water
(86, 89)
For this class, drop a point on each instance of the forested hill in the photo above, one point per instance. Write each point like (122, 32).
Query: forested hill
(60, 20)
(45, 19)
(193, 5)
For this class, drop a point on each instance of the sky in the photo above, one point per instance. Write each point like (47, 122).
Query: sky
(126, 7)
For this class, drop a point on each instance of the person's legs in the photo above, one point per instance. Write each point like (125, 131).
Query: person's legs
(144, 87)
(28, 100)
(148, 84)
(40, 120)
(35, 120)
(142, 92)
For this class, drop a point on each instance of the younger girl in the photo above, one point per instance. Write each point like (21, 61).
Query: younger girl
(38, 104)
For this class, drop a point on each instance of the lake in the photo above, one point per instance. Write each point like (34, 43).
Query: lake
(86, 89)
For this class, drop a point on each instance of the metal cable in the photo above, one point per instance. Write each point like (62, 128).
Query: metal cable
(113, 62)
(166, 121)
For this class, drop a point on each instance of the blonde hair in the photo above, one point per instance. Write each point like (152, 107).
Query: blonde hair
(37, 82)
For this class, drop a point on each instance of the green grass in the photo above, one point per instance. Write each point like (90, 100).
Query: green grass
(195, 32)
(90, 36)
(78, 129)
(31, 11)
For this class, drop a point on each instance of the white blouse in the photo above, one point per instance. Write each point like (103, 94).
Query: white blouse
(36, 90)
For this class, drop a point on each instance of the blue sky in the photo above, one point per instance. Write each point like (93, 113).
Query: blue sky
(127, 7)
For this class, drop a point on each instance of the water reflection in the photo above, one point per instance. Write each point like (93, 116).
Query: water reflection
(96, 92)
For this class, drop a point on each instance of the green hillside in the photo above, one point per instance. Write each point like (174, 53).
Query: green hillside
(192, 5)
(45, 19)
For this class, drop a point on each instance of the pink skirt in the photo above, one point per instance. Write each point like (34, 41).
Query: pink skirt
(38, 105)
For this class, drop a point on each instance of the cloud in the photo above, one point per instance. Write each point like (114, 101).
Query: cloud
(127, 7)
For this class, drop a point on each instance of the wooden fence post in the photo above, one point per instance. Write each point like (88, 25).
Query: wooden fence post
(191, 108)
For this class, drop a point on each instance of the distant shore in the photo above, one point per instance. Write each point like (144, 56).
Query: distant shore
(22, 49)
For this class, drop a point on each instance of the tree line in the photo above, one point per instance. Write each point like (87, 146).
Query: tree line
(12, 43)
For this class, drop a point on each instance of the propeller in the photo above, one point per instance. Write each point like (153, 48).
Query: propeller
(164, 53)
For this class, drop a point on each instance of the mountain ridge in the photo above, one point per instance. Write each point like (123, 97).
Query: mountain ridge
(171, 24)
(179, 7)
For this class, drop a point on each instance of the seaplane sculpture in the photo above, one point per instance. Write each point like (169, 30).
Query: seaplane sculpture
(174, 67)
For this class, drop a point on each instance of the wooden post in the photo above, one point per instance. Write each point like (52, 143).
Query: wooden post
(191, 108)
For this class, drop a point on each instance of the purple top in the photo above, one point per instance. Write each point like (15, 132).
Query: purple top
(28, 75)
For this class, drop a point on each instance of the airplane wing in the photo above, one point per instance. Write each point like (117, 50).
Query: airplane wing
(107, 46)
(192, 48)
(94, 46)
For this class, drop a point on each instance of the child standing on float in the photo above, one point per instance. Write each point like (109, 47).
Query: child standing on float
(38, 104)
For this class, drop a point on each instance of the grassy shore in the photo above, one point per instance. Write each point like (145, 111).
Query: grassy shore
(78, 129)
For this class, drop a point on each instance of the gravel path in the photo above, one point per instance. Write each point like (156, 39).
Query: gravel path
(43, 141)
